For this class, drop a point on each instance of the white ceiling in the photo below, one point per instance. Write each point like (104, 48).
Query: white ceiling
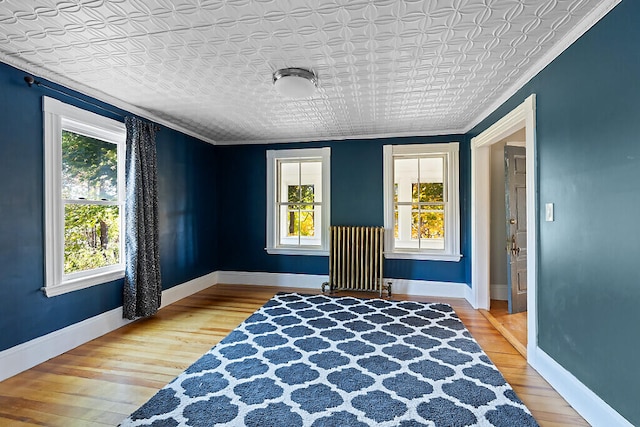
(385, 67)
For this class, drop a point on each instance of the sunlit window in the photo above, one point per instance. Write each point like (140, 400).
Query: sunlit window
(298, 212)
(421, 201)
(84, 183)
(90, 198)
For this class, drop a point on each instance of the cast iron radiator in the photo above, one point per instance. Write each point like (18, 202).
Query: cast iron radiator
(356, 259)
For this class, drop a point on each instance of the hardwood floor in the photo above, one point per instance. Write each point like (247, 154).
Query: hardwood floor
(101, 382)
(512, 326)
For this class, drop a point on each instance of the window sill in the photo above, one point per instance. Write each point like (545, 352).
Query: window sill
(296, 251)
(424, 256)
(81, 283)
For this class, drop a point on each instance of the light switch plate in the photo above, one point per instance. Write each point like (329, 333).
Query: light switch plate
(548, 214)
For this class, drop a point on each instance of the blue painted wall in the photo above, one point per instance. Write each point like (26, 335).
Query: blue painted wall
(356, 199)
(588, 139)
(187, 193)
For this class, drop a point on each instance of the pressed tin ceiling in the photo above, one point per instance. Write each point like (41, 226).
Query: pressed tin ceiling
(385, 67)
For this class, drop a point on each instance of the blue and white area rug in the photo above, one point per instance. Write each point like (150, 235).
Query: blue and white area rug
(314, 360)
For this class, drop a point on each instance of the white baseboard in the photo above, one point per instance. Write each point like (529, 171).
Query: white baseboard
(31, 353)
(470, 295)
(500, 292)
(426, 288)
(589, 405)
(312, 281)
(291, 280)
(185, 289)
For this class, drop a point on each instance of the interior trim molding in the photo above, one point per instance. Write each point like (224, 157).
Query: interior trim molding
(588, 404)
(31, 353)
(438, 132)
(571, 37)
(176, 293)
(285, 280)
(313, 281)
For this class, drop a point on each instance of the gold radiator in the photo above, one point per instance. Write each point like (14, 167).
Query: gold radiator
(356, 259)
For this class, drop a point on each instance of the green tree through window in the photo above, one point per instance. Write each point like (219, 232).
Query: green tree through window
(301, 211)
(90, 194)
(427, 211)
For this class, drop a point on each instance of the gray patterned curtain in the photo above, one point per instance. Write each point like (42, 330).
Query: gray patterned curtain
(142, 287)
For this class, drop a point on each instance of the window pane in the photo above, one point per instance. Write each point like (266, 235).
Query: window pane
(405, 172)
(306, 222)
(91, 237)
(89, 168)
(428, 192)
(293, 193)
(395, 221)
(431, 169)
(307, 193)
(415, 221)
(300, 221)
(300, 193)
(431, 224)
(311, 179)
(293, 222)
(289, 176)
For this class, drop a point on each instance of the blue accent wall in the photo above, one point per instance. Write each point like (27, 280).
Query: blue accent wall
(588, 141)
(187, 193)
(356, 199)
(188, 215)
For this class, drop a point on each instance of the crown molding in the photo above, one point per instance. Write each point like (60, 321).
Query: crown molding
(441, 132)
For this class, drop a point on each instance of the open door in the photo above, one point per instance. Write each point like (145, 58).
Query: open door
(516, 204)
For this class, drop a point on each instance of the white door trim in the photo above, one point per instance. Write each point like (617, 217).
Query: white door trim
(523, 116)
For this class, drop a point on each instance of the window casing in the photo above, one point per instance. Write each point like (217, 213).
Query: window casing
(298, 201)
(421, 191)
(84, 198)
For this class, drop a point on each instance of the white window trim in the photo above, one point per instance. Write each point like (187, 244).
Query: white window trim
(451, 251)
(272, 228)
(59, 116)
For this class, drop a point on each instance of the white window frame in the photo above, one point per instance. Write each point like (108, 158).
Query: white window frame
(273, 156)
(449, 151)
(59, 116)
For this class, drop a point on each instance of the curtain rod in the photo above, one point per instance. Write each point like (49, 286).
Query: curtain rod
(32, 81)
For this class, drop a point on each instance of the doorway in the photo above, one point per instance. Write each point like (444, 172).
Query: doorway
(508, 243)
(520, 121)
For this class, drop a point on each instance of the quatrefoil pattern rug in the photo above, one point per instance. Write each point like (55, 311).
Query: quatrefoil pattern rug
(314, 360)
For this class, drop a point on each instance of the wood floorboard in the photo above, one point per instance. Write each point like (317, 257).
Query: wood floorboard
(512, 326)
(101, 382)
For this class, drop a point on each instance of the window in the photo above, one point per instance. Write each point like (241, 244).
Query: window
(84, 192)
(298, 201)
(422, 214)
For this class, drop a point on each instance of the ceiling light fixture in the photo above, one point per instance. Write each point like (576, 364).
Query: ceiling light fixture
(295, 83)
